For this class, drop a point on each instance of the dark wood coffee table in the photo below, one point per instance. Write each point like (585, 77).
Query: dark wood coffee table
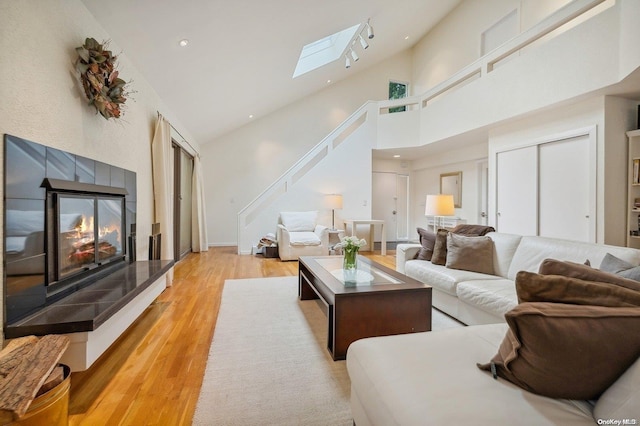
(379, 303)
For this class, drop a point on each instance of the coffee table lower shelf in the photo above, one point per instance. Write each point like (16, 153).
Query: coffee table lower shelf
(369, 311)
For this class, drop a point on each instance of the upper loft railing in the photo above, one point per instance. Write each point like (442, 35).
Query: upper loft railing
(373, 110)
(486, 64)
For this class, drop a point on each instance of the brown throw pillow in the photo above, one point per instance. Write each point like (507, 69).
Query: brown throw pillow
(470, 253)
(584, 272)
(532, 287)
(472, 230)
(427, 241)
(439, 256)
(567, 351)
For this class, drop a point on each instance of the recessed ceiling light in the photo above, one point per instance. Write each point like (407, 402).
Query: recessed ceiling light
(396, 156)
(250, 115)
(328, 81)
(183, 42)
(406, 37)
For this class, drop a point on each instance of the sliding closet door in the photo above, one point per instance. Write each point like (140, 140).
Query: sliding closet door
(516, 191)
(549, 189)
(565, 203)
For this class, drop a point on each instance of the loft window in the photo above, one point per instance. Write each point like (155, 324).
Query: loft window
(398, 90)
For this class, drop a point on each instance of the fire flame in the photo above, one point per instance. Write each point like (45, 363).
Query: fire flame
(84, 229)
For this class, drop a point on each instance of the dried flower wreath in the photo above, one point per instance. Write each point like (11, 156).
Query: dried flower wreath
(104, 90)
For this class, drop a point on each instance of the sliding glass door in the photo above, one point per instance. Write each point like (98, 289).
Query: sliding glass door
(183, 163)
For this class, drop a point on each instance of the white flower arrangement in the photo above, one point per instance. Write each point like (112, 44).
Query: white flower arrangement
(351, 242)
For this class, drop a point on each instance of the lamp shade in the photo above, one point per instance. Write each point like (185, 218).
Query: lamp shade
(333, 201)
(439, 205)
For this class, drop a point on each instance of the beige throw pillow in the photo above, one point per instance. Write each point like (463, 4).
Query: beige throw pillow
(470, 253)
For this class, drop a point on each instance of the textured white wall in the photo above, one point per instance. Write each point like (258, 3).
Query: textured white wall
(42, 100)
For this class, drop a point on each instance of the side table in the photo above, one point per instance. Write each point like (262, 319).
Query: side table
(371, 222)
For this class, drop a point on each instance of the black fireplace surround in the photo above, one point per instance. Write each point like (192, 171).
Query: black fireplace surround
(67, 220)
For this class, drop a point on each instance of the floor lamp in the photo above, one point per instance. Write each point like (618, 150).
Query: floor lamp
(333, 201)
(439, 206)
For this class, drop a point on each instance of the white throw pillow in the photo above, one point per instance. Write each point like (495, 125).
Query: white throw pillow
(299, 221)
(622, 399)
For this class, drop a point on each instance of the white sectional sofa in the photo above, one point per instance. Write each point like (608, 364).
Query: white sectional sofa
(432, 378)
(475, 298)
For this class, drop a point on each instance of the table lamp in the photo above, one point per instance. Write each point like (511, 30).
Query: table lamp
(439, 206)
(333, 201)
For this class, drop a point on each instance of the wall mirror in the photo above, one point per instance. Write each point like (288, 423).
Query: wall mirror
(451, 183)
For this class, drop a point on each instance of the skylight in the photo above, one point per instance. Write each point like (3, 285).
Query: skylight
(323, 51)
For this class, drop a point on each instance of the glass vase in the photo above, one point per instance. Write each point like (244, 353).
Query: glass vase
(350, 261)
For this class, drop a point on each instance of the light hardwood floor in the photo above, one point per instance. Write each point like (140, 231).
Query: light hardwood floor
(153, 373)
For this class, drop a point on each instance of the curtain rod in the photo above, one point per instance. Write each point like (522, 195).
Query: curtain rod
(183, 138)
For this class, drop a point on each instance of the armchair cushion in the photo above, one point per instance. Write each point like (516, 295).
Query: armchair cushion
(299, 221)
(304, 238)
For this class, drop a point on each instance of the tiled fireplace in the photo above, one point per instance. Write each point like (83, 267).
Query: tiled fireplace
(66, 223)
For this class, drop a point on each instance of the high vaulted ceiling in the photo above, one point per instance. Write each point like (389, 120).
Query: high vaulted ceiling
(241, 54)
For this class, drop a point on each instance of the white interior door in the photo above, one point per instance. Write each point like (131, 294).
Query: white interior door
(389, 202)
(483, 191)
(402, 208)
(564, 189)
(517, 192)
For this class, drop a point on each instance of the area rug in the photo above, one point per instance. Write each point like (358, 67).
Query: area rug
(268, 363)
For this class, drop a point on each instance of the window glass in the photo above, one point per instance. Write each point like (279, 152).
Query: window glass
(397, 90)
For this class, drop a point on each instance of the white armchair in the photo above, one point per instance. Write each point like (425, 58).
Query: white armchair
(298, 234)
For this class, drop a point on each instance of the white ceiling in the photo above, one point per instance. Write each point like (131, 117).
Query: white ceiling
(241, 54)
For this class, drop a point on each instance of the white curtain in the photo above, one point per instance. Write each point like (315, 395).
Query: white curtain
(199, 241)
(163, 188)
